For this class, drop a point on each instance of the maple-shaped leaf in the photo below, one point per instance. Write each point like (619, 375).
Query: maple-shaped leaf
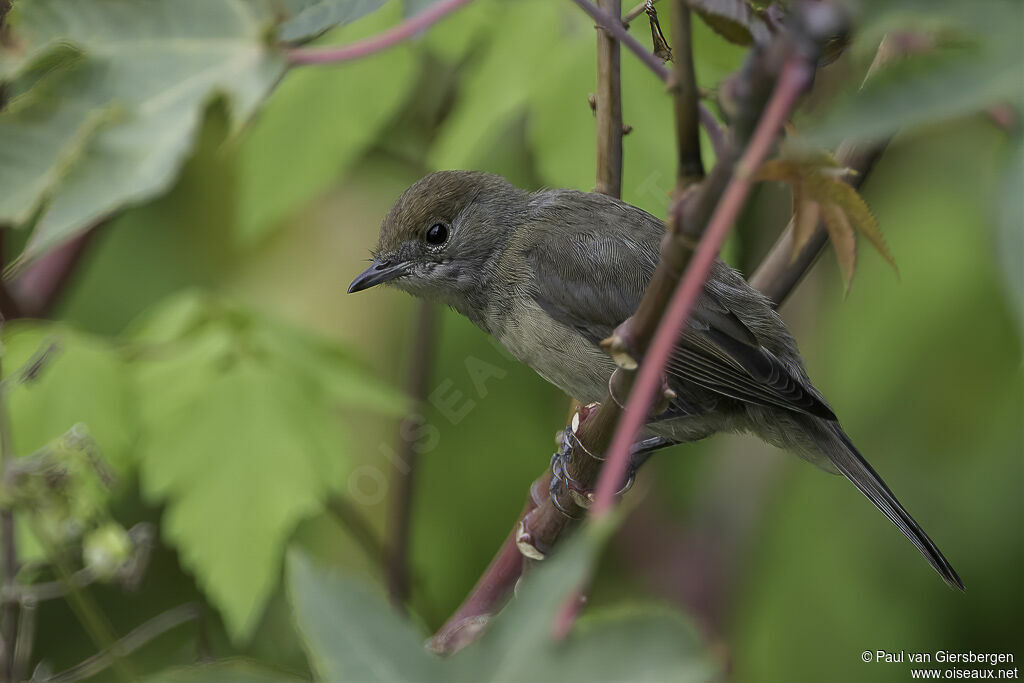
(820, 191)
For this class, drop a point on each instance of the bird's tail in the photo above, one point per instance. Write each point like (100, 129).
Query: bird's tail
(841, 451)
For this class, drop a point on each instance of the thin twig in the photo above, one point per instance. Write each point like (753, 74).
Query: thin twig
(361, 530)
(689, 167)
(405, 474)
(92, 618)
(609, 108)
(26, 638)
(700, 570)
(131, 642)
(613, 25)
(795, 77)
(714, 130)
(608, 23)
(368, 46)
(51, 590)
(637, 10)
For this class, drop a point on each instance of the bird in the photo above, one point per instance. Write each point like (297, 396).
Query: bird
(550, 274)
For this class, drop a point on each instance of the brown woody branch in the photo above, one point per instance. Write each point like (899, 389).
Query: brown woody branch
(689, 166)
(796, 76)
(405, 472)
(526, 538)
(608, 110)
(543, 523)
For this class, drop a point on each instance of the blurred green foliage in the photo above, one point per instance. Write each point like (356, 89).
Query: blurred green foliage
(249, 390)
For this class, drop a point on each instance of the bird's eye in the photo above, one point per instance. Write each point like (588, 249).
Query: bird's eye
(437, 234)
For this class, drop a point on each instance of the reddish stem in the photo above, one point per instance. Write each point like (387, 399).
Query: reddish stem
(362, 48)
(795, 76)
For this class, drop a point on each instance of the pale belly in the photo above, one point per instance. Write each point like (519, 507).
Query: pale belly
(557, 353)
(568, 360)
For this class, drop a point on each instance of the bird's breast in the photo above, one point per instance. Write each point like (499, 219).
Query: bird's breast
(556, 352)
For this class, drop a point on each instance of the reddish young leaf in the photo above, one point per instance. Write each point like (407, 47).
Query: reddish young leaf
(806, 214)
(841, 234)
(860, 216)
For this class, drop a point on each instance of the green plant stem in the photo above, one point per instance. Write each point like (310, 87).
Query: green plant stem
(400, 518)
(689, 166)
(87, 611)
(135, 639)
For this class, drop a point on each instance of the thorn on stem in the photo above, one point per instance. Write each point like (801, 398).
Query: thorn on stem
(665, 397)
(525, 542)
(618, 348)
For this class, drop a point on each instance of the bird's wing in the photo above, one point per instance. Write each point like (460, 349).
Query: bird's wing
(584, 285)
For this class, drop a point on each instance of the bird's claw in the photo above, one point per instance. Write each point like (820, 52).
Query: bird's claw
(562, 482)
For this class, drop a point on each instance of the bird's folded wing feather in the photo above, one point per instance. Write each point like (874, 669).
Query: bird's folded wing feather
(587, 286)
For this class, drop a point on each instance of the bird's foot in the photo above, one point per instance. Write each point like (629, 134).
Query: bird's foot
(562, 482)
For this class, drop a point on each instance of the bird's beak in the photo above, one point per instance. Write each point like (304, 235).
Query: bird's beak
(378, 272)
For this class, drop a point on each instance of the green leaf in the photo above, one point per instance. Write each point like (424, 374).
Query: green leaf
(841, 234)
(331, 368)
(453, 38)
(643, 646)
(114, 126)
(734, 20)
(294, 151)
(224, 671)
(241, 443)
(353, 635)
(174, 319)
(308, 18)
(635, 643)
(81, 380)
(334, 371)
(549, 86)
(497, 85)
(919, 90)
(37, 147)
(518, 645)
(77, 379)
(1010, 229)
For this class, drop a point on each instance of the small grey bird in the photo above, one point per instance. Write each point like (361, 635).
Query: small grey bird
(550, 274)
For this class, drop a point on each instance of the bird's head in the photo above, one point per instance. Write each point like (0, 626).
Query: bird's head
(442, 236)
